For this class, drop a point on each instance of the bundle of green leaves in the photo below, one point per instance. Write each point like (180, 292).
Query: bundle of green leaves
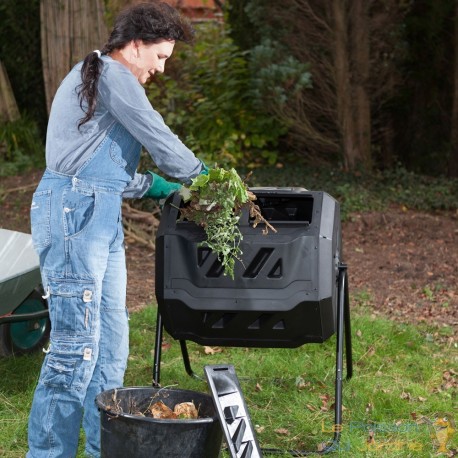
(215, 202)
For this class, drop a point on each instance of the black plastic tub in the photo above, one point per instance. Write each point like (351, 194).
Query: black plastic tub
(125, 434)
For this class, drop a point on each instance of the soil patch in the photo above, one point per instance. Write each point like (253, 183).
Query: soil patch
(407, 261)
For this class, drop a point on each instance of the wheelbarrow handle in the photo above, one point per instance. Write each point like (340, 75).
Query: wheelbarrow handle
(10, 318)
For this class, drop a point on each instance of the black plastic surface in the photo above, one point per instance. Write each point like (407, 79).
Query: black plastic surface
(284, 290)
(127, 435)
(232, 411)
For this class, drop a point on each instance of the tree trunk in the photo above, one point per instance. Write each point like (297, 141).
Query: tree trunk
(343, 87)
(70, 29)
(359, 17)
(8, 108)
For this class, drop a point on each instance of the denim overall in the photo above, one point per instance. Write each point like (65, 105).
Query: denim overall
(77, 232)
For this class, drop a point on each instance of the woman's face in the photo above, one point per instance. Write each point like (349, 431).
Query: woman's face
(150, 58)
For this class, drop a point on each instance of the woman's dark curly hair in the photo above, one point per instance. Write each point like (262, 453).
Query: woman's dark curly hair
(149, 22)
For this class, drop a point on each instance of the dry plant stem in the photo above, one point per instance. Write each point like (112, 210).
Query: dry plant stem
(157, 394)
(5, 192)
(255, 213)
(138, 225)
(135, 234)
(138, 215)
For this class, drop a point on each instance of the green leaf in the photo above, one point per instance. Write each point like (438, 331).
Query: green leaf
(199, 182)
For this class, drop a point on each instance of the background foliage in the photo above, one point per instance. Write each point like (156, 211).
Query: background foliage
(232, 95)
(410, 80)
(20, 52)
(207, 98)
(421, 109)
(21, 146)
(21, 142)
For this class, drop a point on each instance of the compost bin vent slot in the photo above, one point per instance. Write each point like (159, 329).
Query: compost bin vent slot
(224, 321)
(216, 270)
(280, 325)
(202, 255)
(230, 413)
(238, 435)
(247, 451)
(258, 262)
(277, 270)
(260, 321)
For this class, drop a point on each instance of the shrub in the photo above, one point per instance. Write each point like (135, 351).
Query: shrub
(207, 98)
(21, 146)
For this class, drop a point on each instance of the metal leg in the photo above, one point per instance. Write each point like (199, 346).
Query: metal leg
(339, 359)
(186, 361)
(157, 351)
(348, 350)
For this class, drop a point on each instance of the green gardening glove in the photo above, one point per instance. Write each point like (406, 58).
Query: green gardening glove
(204, 170)
(160, 188)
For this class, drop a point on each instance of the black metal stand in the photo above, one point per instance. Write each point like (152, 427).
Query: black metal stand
(343, 333)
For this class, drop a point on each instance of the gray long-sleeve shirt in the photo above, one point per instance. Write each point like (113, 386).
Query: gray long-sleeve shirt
(121, 98)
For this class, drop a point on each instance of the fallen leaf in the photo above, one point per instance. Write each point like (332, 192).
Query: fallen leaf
(212, 350)
(282, 431)
(332, 406)
(321, 446)
(258, 387)
(259, 429)
(371, 438)
(324, 402)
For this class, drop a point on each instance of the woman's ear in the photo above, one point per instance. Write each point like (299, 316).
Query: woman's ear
(136, 47)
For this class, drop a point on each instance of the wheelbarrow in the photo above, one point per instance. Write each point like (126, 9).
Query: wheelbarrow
(24, 316)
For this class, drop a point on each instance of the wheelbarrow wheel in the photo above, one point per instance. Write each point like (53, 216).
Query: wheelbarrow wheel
(25, 336)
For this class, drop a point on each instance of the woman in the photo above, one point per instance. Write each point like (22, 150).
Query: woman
(99, 120)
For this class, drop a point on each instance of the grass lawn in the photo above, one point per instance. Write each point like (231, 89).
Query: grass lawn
(403, 378)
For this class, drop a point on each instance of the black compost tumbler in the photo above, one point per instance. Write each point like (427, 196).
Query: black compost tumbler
(284, 290)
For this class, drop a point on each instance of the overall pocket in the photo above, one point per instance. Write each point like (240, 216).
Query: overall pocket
(58, 372)
(73, 307)
(40, 218)
(68, 365)
(78, 207)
